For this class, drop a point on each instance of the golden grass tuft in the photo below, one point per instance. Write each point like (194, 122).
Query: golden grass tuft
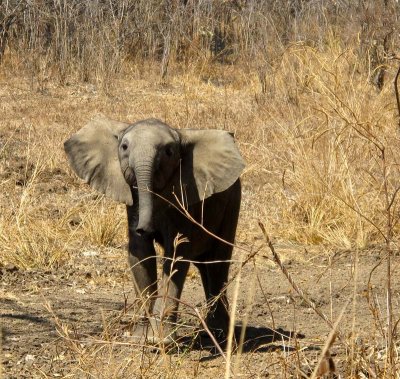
(104, 225)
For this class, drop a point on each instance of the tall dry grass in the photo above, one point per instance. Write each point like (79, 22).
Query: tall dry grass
(95, 41)
(313, 170)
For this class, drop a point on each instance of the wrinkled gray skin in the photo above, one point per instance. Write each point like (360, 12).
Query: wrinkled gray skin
(150, 166)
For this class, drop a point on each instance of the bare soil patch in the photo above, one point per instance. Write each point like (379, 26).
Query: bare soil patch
(88, 298)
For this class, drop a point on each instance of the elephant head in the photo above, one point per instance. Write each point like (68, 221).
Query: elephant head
(149, 157)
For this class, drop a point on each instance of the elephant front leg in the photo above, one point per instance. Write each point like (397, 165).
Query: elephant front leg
(142, 261)
(167, 303)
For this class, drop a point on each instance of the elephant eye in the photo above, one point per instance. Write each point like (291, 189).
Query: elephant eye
(124, 146)
(169, 151)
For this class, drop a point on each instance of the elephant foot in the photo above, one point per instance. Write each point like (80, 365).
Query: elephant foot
(218, 325)
(217, 334)
(154, 333)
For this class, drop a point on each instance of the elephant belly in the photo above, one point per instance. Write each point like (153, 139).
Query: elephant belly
(207, 222)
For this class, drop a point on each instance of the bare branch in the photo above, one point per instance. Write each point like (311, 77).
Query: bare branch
(396, 90)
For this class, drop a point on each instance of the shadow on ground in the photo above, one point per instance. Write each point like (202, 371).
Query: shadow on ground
(254, 339)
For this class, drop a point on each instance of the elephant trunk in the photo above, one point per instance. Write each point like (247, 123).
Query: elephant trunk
(143, 172)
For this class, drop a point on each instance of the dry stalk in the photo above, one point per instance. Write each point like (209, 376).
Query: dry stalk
(396, 90)
(1, 352)
(203, 323)
(388, 241)
(325, 363)
(267, 302)
(228, 368)
(299, 291)
(248, 308)
(374, 309)
(353, 321)
(389, 202)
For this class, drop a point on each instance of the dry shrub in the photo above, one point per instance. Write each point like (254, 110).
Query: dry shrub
(94, 41)
(322, 122)
(103, 223)
(31, 245)
(29, 236)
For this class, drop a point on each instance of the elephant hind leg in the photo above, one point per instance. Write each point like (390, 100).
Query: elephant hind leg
(215, 275)
(213, 284)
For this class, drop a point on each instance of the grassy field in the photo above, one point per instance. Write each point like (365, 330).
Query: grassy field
(321, 143)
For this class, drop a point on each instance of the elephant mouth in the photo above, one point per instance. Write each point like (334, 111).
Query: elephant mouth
(130, 177)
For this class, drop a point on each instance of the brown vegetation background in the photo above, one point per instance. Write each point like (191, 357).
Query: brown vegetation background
(306, 85)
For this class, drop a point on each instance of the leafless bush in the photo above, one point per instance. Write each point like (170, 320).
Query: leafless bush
(94, 40)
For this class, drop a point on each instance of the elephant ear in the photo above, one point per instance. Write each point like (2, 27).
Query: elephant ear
(211, 163)
(93, 155)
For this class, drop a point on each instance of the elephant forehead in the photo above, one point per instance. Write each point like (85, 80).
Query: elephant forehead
(150, 131)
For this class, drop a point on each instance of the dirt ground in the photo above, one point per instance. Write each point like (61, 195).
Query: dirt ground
(41, 312)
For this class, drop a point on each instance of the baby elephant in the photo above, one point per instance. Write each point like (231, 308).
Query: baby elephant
(173, 182)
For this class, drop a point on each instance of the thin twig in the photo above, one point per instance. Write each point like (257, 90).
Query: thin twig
(396, 90)
(330, 340)
(203, 323)
(278, 261)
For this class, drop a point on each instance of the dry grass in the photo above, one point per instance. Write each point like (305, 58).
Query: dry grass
(312, 176)
(308, 121)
